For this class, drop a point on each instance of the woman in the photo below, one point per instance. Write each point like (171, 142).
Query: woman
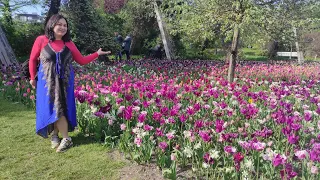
(55, 105)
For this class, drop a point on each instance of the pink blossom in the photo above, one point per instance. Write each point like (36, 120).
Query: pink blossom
(163, 146)
(128, 113)
(173, 157)
(301, 154)
(205, 136)
(147, 127)
(138, 141)
(245, 145)
(142, 117)
(159, 132)
(307, 115)
(237, 158)
(207, 159)
(170, 135)
(278, 159)
(314, 170)
(219, 125)
(183, 118)
(230, 149)
(123, 127)
(258, 146)
(293, 139)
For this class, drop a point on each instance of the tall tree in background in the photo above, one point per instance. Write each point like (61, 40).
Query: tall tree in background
(167, 42)
(54, 8)
(89, 29)
(229, 15)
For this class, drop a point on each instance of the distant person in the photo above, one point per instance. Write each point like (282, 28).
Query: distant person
(127, 46)
(156, 52)
(119, 41)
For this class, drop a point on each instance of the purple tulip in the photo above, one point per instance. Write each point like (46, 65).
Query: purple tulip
(207, 159)
(230, 149)
(307, 115)
(293, 139)
(205, 136)
(219, 126)
(277, 160)
(163, 146)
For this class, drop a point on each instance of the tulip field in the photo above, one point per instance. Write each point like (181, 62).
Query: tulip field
(185, 114)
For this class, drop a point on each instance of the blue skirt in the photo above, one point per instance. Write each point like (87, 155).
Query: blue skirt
(46, 115)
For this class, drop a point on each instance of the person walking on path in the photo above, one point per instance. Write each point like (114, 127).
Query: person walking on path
(55, 101)
(127, 46)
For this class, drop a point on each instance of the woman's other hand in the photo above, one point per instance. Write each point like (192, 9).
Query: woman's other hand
(100, 52)
(33, 83)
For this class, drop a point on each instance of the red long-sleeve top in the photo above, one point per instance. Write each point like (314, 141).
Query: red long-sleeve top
(57, 45)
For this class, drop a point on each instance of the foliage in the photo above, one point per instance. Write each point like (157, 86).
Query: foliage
(9, 6)
(21, 36)
(113, 6)
(93, 31)
(139, 21)
(312, 43)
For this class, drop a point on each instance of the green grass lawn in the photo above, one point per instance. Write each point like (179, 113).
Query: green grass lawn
(25, 155)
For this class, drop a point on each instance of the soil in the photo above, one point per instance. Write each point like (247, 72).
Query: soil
(134, 171)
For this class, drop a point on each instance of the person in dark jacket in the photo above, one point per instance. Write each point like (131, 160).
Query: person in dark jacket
(119, 40)
(126, 45)
(156, 52)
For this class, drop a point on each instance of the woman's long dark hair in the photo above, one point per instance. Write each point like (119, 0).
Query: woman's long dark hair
(50, 25)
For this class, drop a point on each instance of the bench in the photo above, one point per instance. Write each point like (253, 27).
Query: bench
(287, 54)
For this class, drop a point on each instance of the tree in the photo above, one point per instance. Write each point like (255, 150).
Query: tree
(8, 56)
(163, 31)
(54, 8)
(287, 19)
(149, 6)
(138, 20)
(9, 6)
(9, 34)
(211, 18)
(114, 6)
(93, 31)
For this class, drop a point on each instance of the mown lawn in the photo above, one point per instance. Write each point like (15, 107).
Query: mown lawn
(25, 155)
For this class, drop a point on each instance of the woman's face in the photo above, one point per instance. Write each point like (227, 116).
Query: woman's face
(60, 29)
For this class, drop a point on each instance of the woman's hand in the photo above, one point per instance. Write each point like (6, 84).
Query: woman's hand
(33, 83)
(100, 52)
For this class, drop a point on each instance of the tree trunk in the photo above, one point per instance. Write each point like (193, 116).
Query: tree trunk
(7, 55)
(300, 53)
(234, 53)
(164, 35)
(54, 9)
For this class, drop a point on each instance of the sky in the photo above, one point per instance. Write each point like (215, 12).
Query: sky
(31, 9)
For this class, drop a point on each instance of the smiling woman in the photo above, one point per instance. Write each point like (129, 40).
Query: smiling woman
(55, 105)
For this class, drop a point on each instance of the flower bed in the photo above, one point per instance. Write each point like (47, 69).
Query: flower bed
(265, 125)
